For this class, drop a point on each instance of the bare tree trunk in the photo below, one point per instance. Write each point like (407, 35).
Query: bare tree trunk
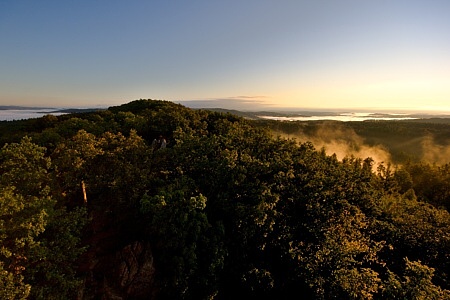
(83, 187)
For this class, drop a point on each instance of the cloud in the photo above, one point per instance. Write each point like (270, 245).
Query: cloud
(249, 97)
(253, 103)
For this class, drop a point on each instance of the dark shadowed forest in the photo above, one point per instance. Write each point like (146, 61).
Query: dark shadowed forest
(92, 208)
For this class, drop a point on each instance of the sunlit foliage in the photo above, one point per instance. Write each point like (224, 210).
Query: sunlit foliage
(230, 211)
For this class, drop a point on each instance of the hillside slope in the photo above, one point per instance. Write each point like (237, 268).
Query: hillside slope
(225, 210)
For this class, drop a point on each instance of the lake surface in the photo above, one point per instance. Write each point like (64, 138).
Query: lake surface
(345, 117)
(21, 114)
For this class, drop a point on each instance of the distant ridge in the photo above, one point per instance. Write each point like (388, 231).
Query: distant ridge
(257, 115)
(244, 114)
(291, 115)
(78, 110)
(13, 107)
(15, 112)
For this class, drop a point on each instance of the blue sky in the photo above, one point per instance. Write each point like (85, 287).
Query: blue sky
(236, 54)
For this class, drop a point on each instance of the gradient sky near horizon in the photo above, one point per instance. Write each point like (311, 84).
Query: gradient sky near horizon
(246, 54)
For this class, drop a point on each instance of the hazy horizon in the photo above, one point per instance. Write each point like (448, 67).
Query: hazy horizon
(241, 105)
(245, 106)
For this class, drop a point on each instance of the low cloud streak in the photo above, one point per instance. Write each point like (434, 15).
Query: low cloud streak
(237, 103)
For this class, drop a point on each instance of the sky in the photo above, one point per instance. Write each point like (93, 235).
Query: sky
(240, 54)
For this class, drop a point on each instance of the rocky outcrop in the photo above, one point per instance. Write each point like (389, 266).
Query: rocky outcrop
(131, 273)
(126, 274)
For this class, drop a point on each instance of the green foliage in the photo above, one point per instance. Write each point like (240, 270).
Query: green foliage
(53, 274)
(17, 234)
(12, 285)
(416, 284)
(39, 241)
(24, 166)
(340, 262)
(188, 256)
(228, 210)
(418, 231)
(431, 183)
(23, 211)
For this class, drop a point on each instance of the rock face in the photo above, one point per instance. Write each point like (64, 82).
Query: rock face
(116, 266)
(132, 273)
(126, 274)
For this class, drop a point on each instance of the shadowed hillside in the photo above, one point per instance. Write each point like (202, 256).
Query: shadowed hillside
(92, 208)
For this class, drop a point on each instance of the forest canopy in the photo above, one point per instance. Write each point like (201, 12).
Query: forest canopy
(91, 208)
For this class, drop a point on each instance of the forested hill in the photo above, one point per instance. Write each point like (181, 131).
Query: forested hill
(90, 208)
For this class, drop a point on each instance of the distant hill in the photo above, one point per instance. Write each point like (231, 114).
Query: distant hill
(78, 110)
(334, 115)
(255, 115)
(13, 107)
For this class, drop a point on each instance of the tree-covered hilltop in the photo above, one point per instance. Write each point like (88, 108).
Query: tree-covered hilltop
(91, 209)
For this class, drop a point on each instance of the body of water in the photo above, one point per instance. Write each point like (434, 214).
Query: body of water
(21, 114)
(345, 117)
